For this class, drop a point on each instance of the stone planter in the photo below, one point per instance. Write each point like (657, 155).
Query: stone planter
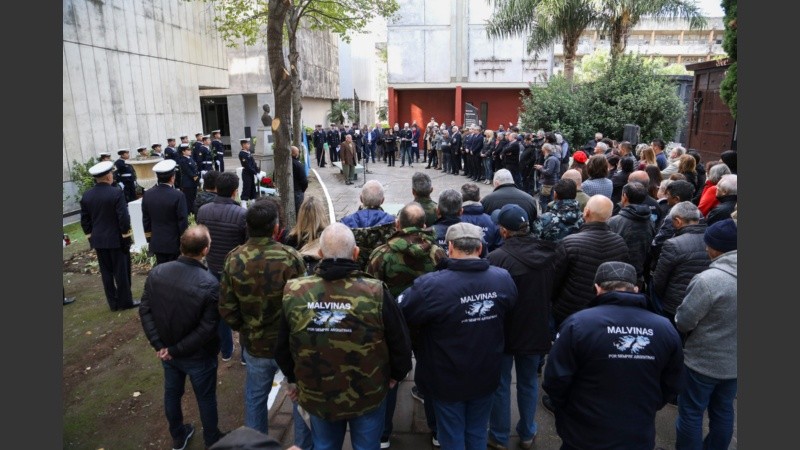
(144, 171)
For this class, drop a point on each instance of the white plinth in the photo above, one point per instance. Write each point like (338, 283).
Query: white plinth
(135, 211)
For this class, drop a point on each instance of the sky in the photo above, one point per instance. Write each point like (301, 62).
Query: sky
(712, 8)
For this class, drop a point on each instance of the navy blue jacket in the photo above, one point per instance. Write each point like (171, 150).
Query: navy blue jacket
(165, 217)
(218, 155)
(473, 213)
(611, 368)
(460, 311)
(190, 175)
(440, 228)
(104, 216)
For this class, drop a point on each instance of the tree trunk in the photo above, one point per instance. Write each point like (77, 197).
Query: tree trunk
(282, 89)
(619, 40)
(294, 58)
(570, 49)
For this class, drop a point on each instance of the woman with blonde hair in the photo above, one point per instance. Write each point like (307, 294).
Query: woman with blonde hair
(687, 166)
(648, 158)
(486, 156)
(311, 220)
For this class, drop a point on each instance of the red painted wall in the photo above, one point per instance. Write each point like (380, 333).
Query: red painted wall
(503, 105)
(421, 104)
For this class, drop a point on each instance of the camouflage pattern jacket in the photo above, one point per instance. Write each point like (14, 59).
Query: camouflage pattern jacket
(342, 339)
(429, 206)
(251, 288)
(410, 252)
(562, 219)
(371, 228)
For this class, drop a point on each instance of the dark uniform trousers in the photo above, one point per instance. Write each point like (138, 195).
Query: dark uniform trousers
(115, 271)
(166, 257)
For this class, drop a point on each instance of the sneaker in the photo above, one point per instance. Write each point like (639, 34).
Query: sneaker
(417, 394)
(180, 444)
(435, 441)
(548, 405)
(528, 443)
(492, 444)
(385, 443)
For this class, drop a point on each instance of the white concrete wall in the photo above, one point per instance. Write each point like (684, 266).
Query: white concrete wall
(132, 70)
(315, 111)
(438, 42)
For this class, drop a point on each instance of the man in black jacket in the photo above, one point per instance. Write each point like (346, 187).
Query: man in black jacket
(529, 260)
(189, 174)
(634, 225)
(319, 138)
(225, 219)
(164, 214)
(180, 322)
(107, 225)
(333, 138)
(505, 192)
(613, 366)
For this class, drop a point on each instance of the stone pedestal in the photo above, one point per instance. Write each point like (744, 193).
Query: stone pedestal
(264, 155)
(135, 211)
(144, 171)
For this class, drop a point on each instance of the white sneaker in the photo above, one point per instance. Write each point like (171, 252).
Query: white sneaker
(435, 441)
(386, 444)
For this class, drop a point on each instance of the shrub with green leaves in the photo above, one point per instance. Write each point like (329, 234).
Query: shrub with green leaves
(81, 176)
(633, 92)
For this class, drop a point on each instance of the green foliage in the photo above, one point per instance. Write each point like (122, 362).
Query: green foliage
(339, 110)
(81, 177)
(383, 113)
(594, 65)
(633, 92)
(729, 85)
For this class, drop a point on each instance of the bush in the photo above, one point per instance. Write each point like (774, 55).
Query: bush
(81, 176)
(632, 92)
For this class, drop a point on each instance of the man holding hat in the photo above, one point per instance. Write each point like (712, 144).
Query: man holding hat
(529, 260)
(217, 151)
(249, 171)
(125, 176)
(107, 224)
(164, 214)
(189, 174)
(708, 313)
(613, 366)
(461, 311)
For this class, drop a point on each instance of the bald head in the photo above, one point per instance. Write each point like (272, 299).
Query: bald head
(295, 152)
(639, 176)
(412, 215)
(598, 209)
(195, 241)
(573, 175)
(337, 241)
(372, 194)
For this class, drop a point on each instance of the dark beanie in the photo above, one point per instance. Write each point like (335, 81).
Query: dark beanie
(721, 236)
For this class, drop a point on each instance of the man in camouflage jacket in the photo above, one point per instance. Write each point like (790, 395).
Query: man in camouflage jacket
(343, 344)
(410, 252)
(564, 216)
(251, 288)
(371, 225)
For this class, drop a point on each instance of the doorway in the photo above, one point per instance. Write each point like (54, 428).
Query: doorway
(214, 111)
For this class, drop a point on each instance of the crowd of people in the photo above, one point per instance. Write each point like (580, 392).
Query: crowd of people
(602, 276)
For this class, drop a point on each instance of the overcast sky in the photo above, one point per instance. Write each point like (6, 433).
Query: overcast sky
(711, 8)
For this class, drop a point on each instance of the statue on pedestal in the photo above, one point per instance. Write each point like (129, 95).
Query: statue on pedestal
(266, 118)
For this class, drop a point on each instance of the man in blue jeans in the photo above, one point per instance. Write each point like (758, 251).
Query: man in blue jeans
(708, 315)
(530, 261)
(251, 289)
(461, 307)
(180, 322)
(343, 345)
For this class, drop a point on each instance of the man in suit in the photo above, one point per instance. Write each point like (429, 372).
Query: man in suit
(371, 140)
(299, 179)
(455, 150)
(125, 176)
(217, 151)
(318, 138)
(164, 214)
(189, 174)
(107, 224)
(249, 171)
(333, 138)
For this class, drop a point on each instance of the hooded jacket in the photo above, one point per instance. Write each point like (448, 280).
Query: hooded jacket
(562, 219)
(611, 368)
(708, 314)
(530, 261)
(634, 225)
(473, 213)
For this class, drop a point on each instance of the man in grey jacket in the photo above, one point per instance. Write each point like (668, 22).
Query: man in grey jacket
(708, 313)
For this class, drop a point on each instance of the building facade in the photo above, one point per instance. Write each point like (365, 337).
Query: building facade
(440, 59)
(671, 39)
(132, 74)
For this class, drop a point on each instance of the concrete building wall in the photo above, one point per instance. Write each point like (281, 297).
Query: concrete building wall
(315, 111)
(132, 71)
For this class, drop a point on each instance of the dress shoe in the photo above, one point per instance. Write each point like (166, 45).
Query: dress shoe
(135, 304)
(68, 300)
